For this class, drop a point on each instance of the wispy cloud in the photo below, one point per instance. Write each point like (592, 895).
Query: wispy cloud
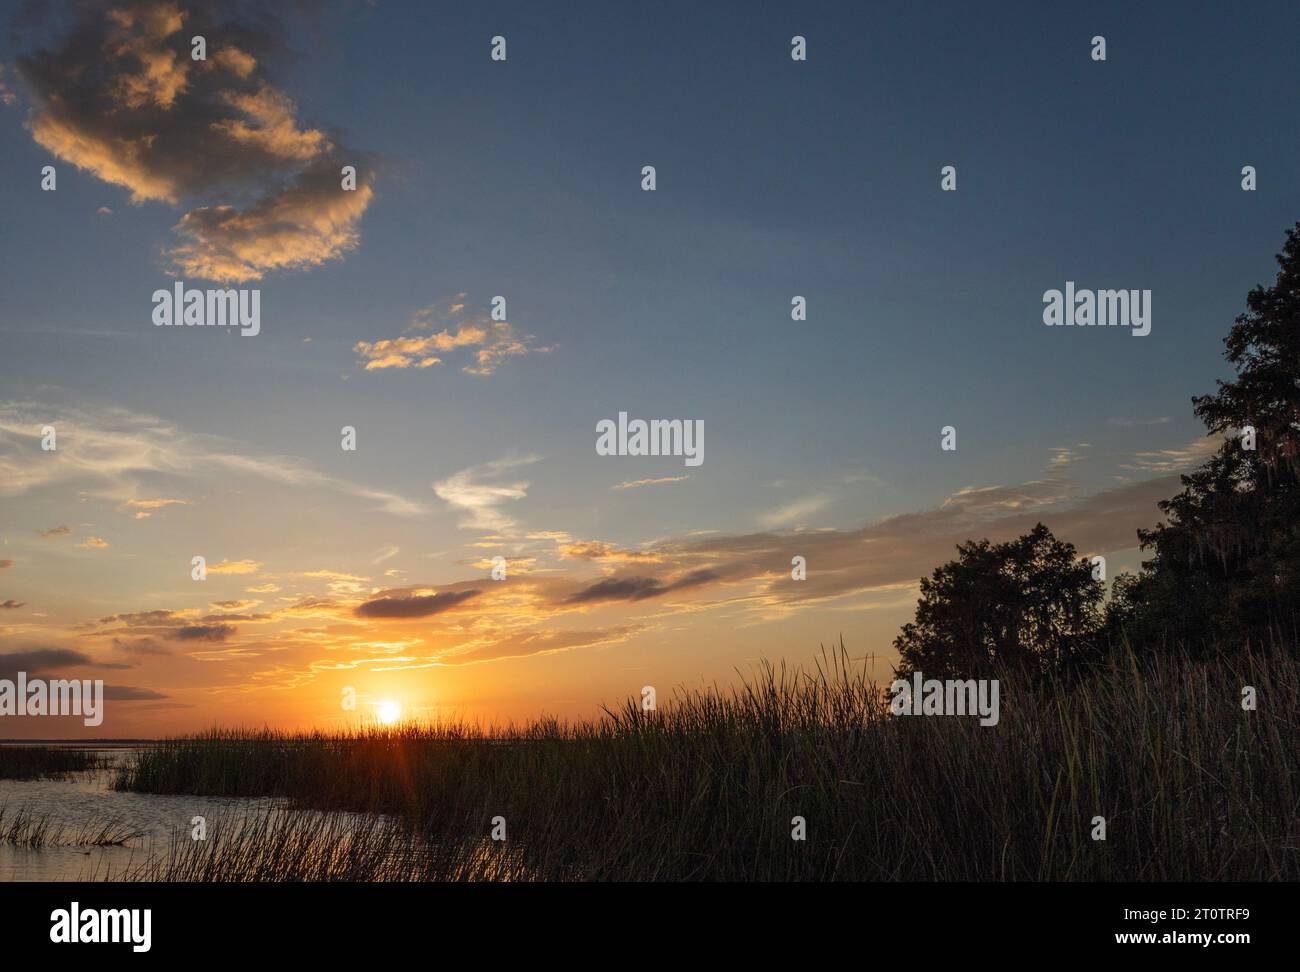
(1036, 494)
(638, 483)
(480, 492)
(385, 553)
(145, 508)
(235, 567)
(600, 550)
(113, 447)
(794, 512)
(7, 97)
(489, 342)
(1062, 457)
(1164, 461)
(1125, 423)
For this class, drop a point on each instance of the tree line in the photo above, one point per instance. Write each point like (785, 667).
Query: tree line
(1224, 565)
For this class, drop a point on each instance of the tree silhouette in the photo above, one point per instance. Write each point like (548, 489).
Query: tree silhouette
(1030, 603)
(1226, 569)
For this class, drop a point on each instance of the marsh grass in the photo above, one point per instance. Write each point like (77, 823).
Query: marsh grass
(1191, 786)
(276, 844)
(22, 828)
(45, 762)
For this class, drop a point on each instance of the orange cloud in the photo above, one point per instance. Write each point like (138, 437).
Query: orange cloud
(121, 98)
(235, 567)
(492, 343)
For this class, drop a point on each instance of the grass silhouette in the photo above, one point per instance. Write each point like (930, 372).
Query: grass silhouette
(1191, 786)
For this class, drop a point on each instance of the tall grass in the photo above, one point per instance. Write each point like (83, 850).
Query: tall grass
(1191, 786)
(269, 843)
(35, 762)
(23, 828)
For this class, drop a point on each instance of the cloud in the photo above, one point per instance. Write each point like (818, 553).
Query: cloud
(130, 693)
(6, 563)
(1125, 423)
(137, 618)
(1063, 457)
(492, 342)
(58, 531)
(204, 632)
(539, 642)
(600, 550)
(7, 97)
(1174, 460)
(408, 606)
(794, 512)
(638, 483)
(1007, 499)
(296, 229)
(385, 553)
(638, 588)
(477, 492)
(93, 543)
(235, 567)
(115, 448)
(12, 605)
(118, 96)
(742, 577)
(146, 508)
(139, 646)
(42, 660)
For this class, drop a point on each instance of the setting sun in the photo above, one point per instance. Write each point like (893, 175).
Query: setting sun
(388, 712)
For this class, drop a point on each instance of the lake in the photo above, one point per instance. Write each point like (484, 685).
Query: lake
(84, 801)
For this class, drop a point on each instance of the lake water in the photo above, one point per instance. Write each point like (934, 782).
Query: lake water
(84, 802)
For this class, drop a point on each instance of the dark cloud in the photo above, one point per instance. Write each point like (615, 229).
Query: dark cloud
(46, 659)
(204, 632)
(130, 693)
(119, 96)
(6, 563)
(11, 604)
(638, 588)
(140, 618)
(413, 606)
(58, 531)
(40, 660)
(139, 646)
(898, 551)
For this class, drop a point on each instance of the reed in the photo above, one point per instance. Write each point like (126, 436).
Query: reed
(1191, 786)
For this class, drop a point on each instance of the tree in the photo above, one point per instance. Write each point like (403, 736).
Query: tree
(1226, 569)
(1031, 603)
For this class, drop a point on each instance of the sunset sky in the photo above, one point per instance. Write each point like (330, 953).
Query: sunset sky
(476, 438)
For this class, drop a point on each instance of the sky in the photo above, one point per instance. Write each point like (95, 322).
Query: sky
(370, 570)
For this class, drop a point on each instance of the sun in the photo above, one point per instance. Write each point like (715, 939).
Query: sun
(389, 712)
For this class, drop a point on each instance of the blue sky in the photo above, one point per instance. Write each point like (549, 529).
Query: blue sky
(775, 178)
